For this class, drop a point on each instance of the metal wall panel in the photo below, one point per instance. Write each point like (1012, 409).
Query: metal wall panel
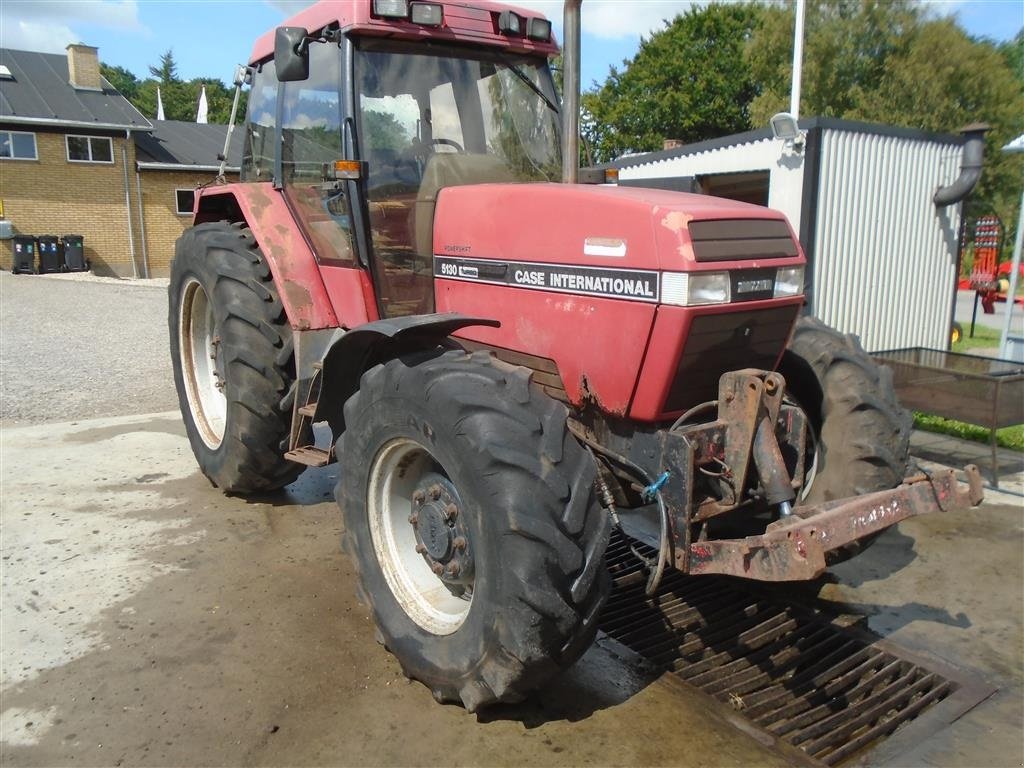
(785, 169)
(885, 256)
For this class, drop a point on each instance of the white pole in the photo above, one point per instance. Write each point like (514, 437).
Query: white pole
(798, 61)
(1011, 294)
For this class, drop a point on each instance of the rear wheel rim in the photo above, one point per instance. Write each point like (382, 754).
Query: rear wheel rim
(400, 468)
(202, 361)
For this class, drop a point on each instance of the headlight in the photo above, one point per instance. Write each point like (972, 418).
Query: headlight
(688, 289)
(789, 281)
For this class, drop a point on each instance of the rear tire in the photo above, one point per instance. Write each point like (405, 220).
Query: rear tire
(233, 359)
(432, 432)
(863, 433)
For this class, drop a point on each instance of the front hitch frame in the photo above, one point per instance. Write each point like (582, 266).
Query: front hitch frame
(746, 441)
(794, 548)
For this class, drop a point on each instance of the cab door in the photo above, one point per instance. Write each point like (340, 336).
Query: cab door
(311, 138)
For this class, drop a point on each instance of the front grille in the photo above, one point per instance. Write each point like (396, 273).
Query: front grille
(730, 239)
(727, 342)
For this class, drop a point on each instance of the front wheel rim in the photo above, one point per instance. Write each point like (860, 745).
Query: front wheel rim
(400, 474)
(202, 364)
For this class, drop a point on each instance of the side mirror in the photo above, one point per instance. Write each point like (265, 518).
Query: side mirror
(291, 54)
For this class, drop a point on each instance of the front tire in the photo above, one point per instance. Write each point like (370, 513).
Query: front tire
(470, 514)
(233, 359)
(862, 432)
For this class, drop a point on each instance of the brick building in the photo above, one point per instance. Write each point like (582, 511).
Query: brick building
(171, 162)
(67, 155)
(77, 158)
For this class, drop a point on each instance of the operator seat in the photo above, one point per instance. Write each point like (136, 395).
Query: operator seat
(450, 169)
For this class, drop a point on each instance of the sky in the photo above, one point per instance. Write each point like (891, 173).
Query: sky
(210, 37)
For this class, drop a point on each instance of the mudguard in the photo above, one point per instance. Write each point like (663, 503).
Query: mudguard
(361, 348)
(292, 264)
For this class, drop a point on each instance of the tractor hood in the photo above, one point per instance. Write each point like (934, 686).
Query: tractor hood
(609, 227)
(632, 300)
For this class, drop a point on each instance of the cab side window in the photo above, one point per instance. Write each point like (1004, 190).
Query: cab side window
(310, 139)
(261, 126)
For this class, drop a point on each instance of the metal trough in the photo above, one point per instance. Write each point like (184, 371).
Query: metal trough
(978, 390)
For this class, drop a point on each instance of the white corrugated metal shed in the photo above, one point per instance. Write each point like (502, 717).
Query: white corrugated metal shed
(883, 258)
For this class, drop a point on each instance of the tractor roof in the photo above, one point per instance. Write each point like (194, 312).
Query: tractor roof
(465, 21)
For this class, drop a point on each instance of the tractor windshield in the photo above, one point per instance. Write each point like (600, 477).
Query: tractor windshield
(437, 116)
(415, 101)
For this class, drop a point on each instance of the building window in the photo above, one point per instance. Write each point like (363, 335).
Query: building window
(184, 201)
(16, 145)
(90, 149)
(747, 186)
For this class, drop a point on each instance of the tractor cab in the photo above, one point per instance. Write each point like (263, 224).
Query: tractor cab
(474, 103)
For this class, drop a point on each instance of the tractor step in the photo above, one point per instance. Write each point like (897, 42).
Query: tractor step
(311, 456)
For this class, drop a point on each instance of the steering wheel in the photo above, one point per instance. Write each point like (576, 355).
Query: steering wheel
(448, 143)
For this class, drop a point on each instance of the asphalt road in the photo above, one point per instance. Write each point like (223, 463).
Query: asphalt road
(995, 321)
(71, 348)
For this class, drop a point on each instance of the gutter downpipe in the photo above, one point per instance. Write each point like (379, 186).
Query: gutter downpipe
(970, 167)
(970, 172)
(128, 203)
(571, 92)
(142, 223)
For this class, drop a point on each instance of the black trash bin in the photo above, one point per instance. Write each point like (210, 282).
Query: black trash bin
(50, 254)
(24, 254)
(74, 253)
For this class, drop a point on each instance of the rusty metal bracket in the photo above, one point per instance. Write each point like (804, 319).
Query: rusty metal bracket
(794, 549)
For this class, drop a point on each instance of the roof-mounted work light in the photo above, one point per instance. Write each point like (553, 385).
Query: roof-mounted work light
(391, 9)
(539, 29)
(510, 23)
(427, 14)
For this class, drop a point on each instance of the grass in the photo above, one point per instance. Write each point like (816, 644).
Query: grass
(984, 338)
(1007, 437)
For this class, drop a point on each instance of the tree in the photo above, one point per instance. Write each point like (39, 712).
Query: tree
(888, 62)
(688, 81)
(846, 46)
(124, 81)
(167, 71)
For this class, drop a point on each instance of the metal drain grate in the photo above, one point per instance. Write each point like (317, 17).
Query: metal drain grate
(790, 671)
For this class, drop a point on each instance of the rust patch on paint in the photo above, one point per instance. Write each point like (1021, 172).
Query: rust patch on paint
(676, 221)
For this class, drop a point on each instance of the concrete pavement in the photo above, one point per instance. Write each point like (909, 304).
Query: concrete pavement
(151, 620)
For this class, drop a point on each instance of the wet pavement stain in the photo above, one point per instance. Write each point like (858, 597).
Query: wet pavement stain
(215, 630)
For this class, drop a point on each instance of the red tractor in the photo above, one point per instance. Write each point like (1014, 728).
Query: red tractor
(512, 363)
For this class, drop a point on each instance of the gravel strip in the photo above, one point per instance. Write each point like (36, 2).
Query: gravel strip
(78, 346)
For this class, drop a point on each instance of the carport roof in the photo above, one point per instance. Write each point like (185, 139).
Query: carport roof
(38, 93)
(180, 145)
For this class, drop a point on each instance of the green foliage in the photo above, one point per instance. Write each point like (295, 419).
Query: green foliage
(984, 338)
(167, 70)
(383, 131)
(180, 97)
(846, 47)
(124, 81)
(1007, 437)
(689, 81)
(886, 61)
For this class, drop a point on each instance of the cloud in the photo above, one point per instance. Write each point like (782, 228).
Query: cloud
(116, 14)
(29, 25)
(616, 19)
(32, 36)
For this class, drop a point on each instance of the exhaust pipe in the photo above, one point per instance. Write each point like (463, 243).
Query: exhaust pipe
(571, 92)
(970, 167)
